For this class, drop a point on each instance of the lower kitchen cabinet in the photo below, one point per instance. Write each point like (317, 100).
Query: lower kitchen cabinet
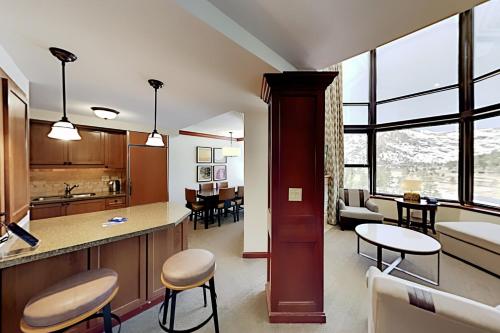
(84, 206)
(44, 211)
(137, 260)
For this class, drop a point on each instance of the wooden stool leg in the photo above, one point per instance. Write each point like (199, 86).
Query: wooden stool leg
(172, 310)
(165, 306)
(108, 324)
(214, 304)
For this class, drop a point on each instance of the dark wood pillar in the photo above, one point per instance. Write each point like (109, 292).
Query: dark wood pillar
(296, 184)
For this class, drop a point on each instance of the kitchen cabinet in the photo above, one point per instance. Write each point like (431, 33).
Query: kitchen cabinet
(115, 203)
(44, 211)
(97, 148)
(115, 150)
(89, 150)
(14, 159)
(84, 206)
(148, 171)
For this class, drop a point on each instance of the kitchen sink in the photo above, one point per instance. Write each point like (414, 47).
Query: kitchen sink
(62, 197)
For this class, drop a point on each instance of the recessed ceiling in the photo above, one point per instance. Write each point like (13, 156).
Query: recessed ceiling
(316, 34)
(121, 44)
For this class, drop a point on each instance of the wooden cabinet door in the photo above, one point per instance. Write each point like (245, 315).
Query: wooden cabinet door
(89, 150)
(47, 210)
(15, 127)
(115, 151)
(85, 206)
(44, 150)
(147, 175)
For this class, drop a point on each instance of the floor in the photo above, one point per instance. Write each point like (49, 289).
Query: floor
(240, 286)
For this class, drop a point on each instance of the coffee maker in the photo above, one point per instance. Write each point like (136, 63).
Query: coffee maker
(114, 185)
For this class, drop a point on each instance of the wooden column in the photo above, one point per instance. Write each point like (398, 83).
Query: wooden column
(296, 180)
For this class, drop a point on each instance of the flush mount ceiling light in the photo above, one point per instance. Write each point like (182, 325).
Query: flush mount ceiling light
(63, 129)
(155, 139)
(105, 113)
(231, 151)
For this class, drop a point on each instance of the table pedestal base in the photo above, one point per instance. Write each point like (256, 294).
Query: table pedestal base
(394, 265)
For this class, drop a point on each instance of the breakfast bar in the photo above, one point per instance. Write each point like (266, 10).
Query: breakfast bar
(135, 249)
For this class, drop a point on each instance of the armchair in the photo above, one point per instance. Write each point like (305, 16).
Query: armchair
(355, 207)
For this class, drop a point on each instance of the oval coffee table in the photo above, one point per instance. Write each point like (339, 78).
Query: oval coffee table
(397, 239)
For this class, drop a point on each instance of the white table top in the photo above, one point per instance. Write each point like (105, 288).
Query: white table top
(397, 238)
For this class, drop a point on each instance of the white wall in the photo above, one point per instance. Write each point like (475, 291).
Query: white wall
(182, 164)
(388, 209)
(255, 229)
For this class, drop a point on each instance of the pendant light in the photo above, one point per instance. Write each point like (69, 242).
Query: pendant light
(63, 129)
(155, 139)
(231, 151)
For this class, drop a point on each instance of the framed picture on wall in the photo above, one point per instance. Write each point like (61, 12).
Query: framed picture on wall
(203, 173)
(219, 172)
(217, 156)
(203, 154)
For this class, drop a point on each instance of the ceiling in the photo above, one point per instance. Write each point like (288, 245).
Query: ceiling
(121, 44)
(221, 125)
(210, 54)
(317, 34)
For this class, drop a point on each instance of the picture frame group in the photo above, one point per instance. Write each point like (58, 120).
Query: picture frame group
(208, 173)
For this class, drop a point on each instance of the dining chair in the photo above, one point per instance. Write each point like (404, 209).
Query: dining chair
(223, 185)
(226, 201)
(206, 186)
(195, 206)
(239, 200)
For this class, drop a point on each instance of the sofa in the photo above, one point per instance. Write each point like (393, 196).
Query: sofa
(397, 305)
(355, 207)
(477, 243)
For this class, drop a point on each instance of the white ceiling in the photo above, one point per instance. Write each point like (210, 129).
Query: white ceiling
(210, 56)
(121, 44)
(316, 34)
(221, 125)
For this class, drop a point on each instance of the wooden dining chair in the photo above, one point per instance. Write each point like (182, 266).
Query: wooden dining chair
(206, 186)
(223, 185)
(194, 205)
(226, 201)
(239, 200)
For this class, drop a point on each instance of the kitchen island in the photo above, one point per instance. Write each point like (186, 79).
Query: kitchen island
(135, 249)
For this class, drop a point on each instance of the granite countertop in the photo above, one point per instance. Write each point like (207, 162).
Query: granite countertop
(59, 235)
(57, 199)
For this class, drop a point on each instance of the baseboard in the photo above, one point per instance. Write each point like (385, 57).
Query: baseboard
(254, 255)
(297, 318)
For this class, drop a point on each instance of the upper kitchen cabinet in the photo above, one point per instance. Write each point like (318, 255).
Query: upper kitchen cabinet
(97, 148)
(87, 151)
(116, 152)
(14, 159)
(44, 150)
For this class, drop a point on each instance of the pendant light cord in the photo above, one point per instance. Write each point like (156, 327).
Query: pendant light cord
(64, 89)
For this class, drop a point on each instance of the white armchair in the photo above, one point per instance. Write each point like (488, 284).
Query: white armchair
(355, 207)
(397, 305)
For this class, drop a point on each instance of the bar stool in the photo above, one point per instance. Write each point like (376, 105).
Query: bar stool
(185, 270)
(71, 302)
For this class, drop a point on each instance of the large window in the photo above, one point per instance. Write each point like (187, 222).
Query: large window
(429, 154)
(409, 123)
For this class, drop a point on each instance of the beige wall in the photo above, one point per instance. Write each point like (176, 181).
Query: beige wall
(255, 229)
(388, 209)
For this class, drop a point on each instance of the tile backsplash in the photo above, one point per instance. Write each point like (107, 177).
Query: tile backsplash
(45, 182)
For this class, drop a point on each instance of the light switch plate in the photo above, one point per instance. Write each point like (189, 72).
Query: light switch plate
(294, 194)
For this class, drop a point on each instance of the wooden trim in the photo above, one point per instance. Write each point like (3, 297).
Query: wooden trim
(254, 255)
(209, 136)
(471, 208)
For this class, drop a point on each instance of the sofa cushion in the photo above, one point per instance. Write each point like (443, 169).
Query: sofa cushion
(483, 234)
(360, 213)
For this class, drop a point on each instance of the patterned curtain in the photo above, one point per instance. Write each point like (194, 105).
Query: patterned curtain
(334, 142)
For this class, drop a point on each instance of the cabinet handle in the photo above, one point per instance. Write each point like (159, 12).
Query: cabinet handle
(129, 188)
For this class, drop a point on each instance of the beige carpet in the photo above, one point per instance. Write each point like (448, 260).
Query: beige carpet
(240, 286)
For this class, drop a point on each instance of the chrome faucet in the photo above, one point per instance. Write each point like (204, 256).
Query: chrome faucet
(68, 188)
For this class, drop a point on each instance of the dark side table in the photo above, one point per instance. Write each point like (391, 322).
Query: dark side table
(417, 205)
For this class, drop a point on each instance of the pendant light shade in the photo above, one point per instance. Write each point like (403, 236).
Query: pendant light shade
(154, 138)
(231, 151)
(63, 129)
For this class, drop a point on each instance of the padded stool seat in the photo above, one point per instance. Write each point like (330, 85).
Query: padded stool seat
(188, 269)
(71, 298)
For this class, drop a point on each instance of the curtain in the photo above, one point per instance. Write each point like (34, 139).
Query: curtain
(334, 142)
